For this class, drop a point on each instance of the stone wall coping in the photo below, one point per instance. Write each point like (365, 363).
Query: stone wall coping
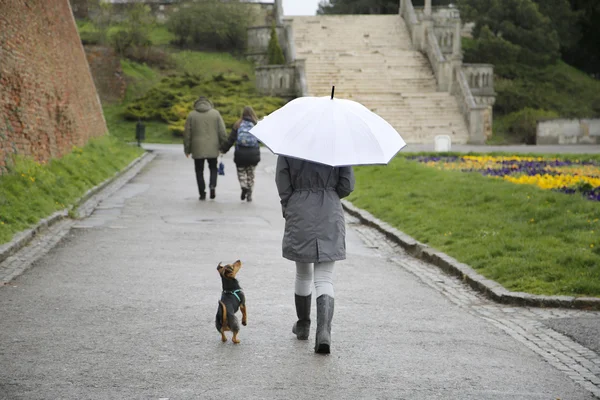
(487, 287)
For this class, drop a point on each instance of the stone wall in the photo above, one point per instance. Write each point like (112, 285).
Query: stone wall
(568, 131)
(108, 75)
(48, 101)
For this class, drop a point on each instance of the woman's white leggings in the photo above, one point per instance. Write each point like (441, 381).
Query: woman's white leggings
(323, 278)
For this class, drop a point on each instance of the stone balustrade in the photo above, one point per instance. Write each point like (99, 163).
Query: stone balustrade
(477, 116)
(436, 32)
(480, 78)
(286, 81)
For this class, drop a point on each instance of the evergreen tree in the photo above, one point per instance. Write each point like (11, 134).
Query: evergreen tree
(516, 22)
(274, 52)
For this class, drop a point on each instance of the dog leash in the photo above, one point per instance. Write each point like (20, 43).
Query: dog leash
(234, 292)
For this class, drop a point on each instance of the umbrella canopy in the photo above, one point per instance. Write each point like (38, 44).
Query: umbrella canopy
(329, 131)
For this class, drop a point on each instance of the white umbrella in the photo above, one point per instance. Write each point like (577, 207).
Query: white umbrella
(329, 131)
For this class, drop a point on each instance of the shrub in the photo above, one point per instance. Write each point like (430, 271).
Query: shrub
(522, 125)
(274, 52)
(152, 56)
(212, 24)
(173, 98)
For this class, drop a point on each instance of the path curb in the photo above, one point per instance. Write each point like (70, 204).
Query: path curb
(489, 288)
(23, 238)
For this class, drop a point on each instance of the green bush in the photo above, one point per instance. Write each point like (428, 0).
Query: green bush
(173, 98)
(274, 52)
(212, 25)
(88, 33)
(522, 125)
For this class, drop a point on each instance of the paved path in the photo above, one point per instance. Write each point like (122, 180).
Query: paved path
(123, 308)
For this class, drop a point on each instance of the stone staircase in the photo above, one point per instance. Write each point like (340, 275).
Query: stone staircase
(369, 59)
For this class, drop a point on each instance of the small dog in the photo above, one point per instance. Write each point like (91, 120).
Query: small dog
(232, 299)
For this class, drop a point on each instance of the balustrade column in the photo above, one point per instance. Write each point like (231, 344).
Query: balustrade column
(456, 40)
(278, 12)
(427, 9)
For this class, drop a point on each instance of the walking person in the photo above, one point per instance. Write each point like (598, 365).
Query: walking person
(204, 134)
(247, 151)
(314, 237)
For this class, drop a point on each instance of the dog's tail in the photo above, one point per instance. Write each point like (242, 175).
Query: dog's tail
(224, 319)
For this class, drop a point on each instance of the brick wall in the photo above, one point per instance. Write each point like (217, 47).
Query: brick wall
(48, 100)
(108, 75)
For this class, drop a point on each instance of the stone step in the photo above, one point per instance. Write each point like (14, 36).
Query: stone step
(370, 59)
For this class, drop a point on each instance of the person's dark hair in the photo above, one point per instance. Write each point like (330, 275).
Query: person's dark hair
(249, 114)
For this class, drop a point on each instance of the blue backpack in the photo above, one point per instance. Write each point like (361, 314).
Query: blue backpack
(244, 137)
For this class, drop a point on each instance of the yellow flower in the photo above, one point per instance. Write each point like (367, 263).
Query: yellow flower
(592, 245)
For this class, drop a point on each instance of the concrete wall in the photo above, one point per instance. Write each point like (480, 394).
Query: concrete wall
(48, 100)
(568, 131)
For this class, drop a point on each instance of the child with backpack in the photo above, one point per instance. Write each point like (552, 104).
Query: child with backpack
(247, 151)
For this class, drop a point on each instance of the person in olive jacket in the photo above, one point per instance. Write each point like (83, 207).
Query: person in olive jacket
(247, 151)
(203, 136)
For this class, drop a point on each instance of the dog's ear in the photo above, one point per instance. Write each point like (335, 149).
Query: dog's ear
(220, 268)
(236, 266)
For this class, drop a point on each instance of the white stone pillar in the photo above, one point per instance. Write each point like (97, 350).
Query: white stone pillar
(456, 40)
(427, 9)
(400, 7)
(278, 12)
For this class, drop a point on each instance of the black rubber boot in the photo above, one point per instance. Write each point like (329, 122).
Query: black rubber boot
(324, 316)
(302, 327)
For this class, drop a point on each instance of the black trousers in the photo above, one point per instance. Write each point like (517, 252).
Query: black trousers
(212, 167)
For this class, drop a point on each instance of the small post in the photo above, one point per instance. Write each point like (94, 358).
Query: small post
(140, 132)
(332, 91)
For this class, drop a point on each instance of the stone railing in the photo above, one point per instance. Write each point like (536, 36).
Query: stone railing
(446, 35)
(477, 116)
(436, 32)
(480, 78)
(276, 80)
(441, 66)
(413, 24)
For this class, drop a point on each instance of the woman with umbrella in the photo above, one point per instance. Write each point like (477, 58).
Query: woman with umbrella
(314, 236)
(318, 140)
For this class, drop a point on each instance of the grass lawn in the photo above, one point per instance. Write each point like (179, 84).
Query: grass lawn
(525, 238)
(30, 191)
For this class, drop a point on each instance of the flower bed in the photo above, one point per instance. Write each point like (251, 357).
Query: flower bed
(567, 176)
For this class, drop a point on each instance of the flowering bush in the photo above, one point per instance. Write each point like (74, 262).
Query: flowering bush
(562, 175)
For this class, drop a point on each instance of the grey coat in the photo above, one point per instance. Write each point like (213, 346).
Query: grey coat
(310, 195)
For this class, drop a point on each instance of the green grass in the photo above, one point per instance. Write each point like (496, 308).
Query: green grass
(525, 238)
(156, 131)
(160, 35)
(210, 64)
(30, 191)
(140, 78)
